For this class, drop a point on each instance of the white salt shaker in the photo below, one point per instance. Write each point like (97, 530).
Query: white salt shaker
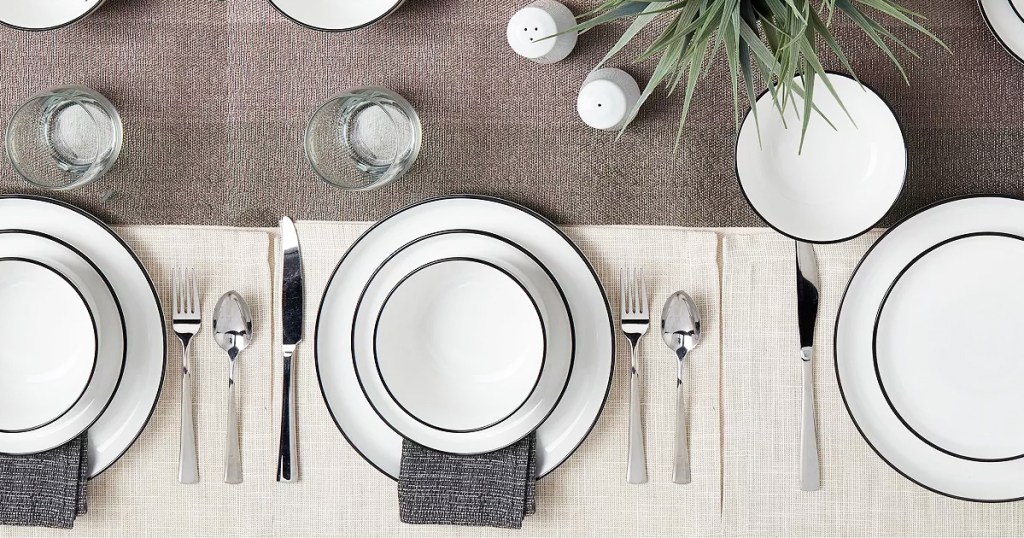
(529, 26)
(607, 97)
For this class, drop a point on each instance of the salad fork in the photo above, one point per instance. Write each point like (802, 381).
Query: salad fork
(635, 319)
(186, 324)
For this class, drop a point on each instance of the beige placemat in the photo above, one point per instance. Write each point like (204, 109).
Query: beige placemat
(860, 494)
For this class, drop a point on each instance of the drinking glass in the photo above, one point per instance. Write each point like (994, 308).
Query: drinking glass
(64, 138)
(363, 138)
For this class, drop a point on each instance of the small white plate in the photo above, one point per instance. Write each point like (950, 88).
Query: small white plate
(584, 398)
(1005, 18)
(540, 286)
(459, 344)
(947, 346)
(127, 413)
(973, 298)
(336, 15)
(45, 14)
(109, 338)
(843, 181)
(49, 344)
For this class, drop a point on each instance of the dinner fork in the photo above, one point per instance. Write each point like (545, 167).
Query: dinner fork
(186, 323)
(635, 319)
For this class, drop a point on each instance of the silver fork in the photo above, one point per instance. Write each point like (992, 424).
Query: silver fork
(635, 319)
(186, 323)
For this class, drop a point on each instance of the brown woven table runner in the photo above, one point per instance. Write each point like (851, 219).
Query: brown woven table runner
(215, 96)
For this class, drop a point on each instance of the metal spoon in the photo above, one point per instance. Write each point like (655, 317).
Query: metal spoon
(680, 328)
(232, 329)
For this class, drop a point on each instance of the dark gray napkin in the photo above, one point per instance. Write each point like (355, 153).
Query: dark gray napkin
(45, 489)
(489, 490)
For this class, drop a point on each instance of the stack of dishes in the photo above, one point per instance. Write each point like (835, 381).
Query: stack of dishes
(464, 324)
(928, 348)
(82, 332)
(1006, 20)
(38, 15)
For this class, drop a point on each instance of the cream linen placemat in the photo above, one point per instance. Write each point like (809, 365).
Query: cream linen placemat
(339, 494)
(860, 494)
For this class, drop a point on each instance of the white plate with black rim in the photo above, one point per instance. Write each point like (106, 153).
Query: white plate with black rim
(1005, 20)
(336, 15)
(590, 380)
(106, 375)
(49, 347)
(842, 181)
(556, 323)
(132, 405)
(927, 348)
(45, 14)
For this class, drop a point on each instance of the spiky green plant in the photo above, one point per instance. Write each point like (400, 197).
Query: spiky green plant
(776, 37)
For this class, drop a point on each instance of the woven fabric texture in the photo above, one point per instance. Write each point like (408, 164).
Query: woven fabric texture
(215, 97)
(46, 489)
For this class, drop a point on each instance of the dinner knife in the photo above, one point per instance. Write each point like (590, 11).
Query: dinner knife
(291, 323)
(807, 311)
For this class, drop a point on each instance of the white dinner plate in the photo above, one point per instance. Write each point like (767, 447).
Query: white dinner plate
(146, 348)
(843, 181)
(540, 285)
(49, 344)
(1004, 19)
(971, 316)
(45, 14)
(459, 344)
(109, 337)
(947, 346)
(590, 381)
(336, 15)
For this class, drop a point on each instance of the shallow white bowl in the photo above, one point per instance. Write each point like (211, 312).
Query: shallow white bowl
(336, 15)
(459, 344)
(843, 181)
(47, 344)
(45, 14)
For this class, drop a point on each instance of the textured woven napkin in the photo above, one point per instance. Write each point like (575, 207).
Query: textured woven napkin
(496, 489)
(45, 489)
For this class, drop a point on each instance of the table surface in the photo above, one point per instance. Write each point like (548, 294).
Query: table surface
(215, 96)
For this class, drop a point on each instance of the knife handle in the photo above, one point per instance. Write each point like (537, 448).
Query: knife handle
(809, 472)
(287, 466)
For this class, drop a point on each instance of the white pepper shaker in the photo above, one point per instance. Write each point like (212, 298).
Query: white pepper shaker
(529, 26)
(607, 98)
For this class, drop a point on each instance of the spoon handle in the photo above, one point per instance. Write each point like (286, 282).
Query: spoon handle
(233, 457)
(681, 468)
(809, 473)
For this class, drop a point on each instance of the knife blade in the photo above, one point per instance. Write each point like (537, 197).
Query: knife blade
(807, 312)
(291, 323)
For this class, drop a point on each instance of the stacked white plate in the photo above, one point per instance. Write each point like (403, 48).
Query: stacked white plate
(45, 14)
(928, 348)
(83, 338)
(464, 324)
(1006, 20)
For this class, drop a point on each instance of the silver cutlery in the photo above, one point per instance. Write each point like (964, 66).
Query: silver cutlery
(807, 311)
(680, 329)
(291, 323)
(186, 323)
(635, 319)
(232, 329)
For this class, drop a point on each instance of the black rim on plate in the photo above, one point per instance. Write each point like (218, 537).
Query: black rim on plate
(95, 335)
(376, 355)
(903, 182)
(117, 303)
(152, 287)
(992, 29)
(62, 25)
(392, 9)
(529, 213)
(835, 348)
(874, 343)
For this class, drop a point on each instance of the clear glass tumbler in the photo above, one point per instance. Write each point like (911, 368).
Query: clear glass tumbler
(363, 138)
(64, 138)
